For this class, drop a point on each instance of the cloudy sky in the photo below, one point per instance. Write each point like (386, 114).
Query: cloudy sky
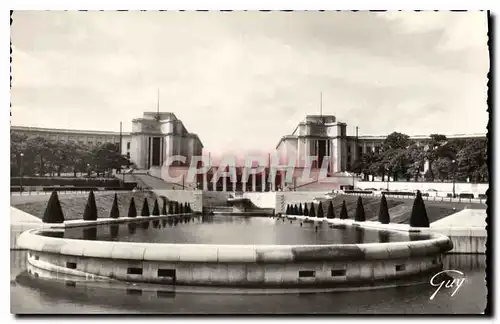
(243, 80)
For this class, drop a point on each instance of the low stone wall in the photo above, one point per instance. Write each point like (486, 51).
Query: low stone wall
(464, 239)
(233, 265)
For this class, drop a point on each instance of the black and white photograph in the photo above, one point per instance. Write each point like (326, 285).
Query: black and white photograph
(250, 162)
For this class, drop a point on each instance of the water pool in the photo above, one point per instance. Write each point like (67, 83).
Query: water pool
(237, 230)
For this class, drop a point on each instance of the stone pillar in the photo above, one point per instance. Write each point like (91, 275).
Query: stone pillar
(254, 184)
(263, 186)
(244, 186)
(224, 180)
(205, 181)
(234, 186)
(214, 183)
(150, 152)
(273, 182)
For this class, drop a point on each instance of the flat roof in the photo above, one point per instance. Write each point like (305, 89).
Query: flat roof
(65, 131)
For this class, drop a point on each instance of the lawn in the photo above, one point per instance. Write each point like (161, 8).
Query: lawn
(74, 205)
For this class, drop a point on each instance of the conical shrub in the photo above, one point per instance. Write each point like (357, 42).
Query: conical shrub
(287, 210)
(295, 209)
(170, 207)
(360, 211)
(53, 212)
(145, 208)
(156, 208)
(186, 209)
(90, 212)
(300, 212)
(306, 211)
(343, 211)
(114, 212)
(312, 212)
(181, 208)
(329, 211)
(132, 210)
(418, 213)
(176, 207)
(189, 208)
(383, 212)
(320, 210)
(164, 207)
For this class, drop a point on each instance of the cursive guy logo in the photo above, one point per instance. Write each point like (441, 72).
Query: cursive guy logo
(449, 283)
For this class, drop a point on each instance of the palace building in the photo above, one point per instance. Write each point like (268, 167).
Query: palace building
(156, 136)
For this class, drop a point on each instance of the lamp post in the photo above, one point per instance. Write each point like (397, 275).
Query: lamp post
(453, 166)
(21, 174)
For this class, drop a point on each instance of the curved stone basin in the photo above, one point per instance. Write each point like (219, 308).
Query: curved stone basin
(241, 265)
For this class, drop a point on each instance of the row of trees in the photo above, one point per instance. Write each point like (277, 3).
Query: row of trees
(418, 216)
(402, 158)
(40, 157)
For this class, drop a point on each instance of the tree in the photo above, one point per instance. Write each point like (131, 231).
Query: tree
(145, 208)
(107, 157)
(472, 161)
(360, 211)
(330, 213)
(306, 211)
(312, 213)
(295, 209)
(320, 210)
(418, 216)
(132, 210)
(416, 161)
(90, 212)
(114, 212)
(300, 211)
(433, 150)
(394, 154)
(383, 213)
(343, 211)
(156, 208)
(170, 207)
(287, 211)
(53, 212)
(164, 207)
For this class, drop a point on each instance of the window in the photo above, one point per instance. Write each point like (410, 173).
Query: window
(134, 271)
(400, 267)
(338, 273)
(128, 145)
(307, 273)
(166, 273)
(71, 265)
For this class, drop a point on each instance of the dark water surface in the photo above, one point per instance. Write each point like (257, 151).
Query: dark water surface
(31, 295)
(233, 230)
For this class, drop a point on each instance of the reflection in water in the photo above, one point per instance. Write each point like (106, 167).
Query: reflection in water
(90, 233)
(36, 295)
(164, 222)
(236, 230)
(113, 231)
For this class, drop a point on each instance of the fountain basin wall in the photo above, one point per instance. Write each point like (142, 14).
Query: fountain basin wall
(235, 265)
